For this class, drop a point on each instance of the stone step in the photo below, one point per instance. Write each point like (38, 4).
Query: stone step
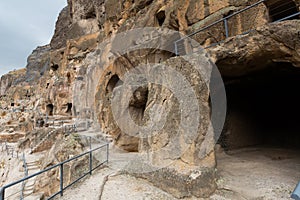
(33, 168)
(29, 163)
(29, 188)
(39, 196)
(27, 193)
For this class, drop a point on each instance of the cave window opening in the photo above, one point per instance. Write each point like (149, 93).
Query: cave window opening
(281, 9)
(262, 111)
(12, 104)
(112, 83)
(90, 15)
(138, 103)
(54, 67)
(49, 109)
(161, 16)
(69, 108)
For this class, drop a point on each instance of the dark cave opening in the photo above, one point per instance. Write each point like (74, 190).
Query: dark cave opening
(54, 67)
(69, 108)
(112, 83)
(281, 9)
(49, 109)
(90, 15)
(263, 109)
(161, 16)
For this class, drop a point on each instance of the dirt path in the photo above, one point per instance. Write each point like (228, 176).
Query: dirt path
(258, 173)
(251, 174)
(109, 186)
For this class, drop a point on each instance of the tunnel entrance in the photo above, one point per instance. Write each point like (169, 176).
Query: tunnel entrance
(261, 135)
(49, 109)
(282, 9)
(263, 109)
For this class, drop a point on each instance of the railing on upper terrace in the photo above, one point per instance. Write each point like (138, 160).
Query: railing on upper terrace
(216, 32)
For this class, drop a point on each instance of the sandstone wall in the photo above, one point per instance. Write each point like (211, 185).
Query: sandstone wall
(81, 67)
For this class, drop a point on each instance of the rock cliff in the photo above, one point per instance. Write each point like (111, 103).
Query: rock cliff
(81, 70)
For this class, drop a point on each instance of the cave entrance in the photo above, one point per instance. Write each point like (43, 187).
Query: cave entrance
(112, 83)
(91, 14)
(49, 109)
(161, 16)
(263, 109)
(69, 108)
(261, 135)
(279, 9)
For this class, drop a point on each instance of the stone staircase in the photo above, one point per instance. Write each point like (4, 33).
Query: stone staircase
(33, 166)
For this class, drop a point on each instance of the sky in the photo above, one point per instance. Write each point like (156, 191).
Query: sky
(24, 25)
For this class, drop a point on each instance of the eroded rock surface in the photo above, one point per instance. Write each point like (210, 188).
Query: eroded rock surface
(83, 68)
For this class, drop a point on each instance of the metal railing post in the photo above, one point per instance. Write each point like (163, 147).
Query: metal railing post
(107, 152)
(91, 162)
(2, 193)
(90, 138)
(226, 27)
(296, 194)
(61, 179)
(176, 48)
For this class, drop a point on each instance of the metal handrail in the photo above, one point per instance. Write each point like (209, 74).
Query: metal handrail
(60, 165)
(288, 17)
(225, 21)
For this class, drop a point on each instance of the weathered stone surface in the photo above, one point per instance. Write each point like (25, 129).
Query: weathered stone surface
(78, 19)
(75, 76)
(198, 183)
(11, 79)
(11, 136)
(268, 44)
(38, 63)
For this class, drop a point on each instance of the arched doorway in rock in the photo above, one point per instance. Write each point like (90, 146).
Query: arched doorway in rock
(279, 9)
(50, 109)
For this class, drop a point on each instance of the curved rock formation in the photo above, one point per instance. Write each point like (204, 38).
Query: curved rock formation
(84, 68)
